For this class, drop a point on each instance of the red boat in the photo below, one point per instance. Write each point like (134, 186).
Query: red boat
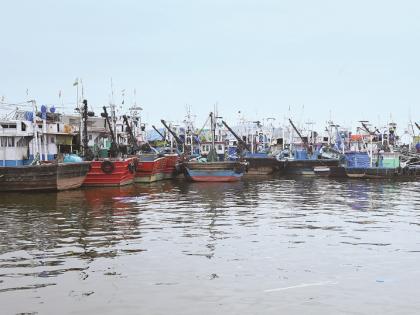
(172, 160)
(111, 172)
(153, 167)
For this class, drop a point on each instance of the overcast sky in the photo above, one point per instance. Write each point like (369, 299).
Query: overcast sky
(352, 60)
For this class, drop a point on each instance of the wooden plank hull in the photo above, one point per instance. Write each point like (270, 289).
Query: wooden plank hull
(261, 165)
(53, 176)
(71, 175)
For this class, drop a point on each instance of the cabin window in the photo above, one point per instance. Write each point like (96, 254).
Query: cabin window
(90, 137)
(219, 147)
(52, 140)
(10, 142)
(3, 141)
(8, 126)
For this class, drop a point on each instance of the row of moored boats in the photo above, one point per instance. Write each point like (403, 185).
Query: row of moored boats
(41, 149)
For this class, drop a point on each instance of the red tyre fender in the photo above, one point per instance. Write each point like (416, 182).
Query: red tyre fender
(107, 167)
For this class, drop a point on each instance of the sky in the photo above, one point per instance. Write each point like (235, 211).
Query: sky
(309, 60)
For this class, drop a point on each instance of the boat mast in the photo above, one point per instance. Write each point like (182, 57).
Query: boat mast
(113, 114)
(35, 126)
(87, 153)
(213, 126)
(44, 130)
(114, 150)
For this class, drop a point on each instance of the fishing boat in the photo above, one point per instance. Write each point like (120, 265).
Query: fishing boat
(24, 168)
(151, 167)
(48, 176)
(111, 172)
(220, 171)
(305, 158)
(116, 169)
(301, 165)
(154, 165)
(261, 164)
(210, 168)
(386, 165)
(258, 162)
(171, 166)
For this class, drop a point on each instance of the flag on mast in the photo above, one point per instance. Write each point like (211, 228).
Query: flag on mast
(76, 82)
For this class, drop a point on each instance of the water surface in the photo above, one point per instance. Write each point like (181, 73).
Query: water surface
(260, 246)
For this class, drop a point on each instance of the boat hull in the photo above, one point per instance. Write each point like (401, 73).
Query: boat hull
(382, 173)
(306, 167)
(51, 176)
(171, 169)
(229, 171)
(261, 166)
(71, 175)
(152, 167)
(122, 173)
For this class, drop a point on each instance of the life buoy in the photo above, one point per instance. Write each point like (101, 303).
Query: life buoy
(107, 167)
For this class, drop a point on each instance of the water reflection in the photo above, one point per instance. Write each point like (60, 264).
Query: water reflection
(173, 233)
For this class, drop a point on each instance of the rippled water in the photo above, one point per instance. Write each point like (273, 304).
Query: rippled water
(266, 246)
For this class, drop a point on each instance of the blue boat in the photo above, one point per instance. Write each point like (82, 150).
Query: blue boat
(226, 171)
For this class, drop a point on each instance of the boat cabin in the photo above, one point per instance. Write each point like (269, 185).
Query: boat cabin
(15, 136)
(219, 146)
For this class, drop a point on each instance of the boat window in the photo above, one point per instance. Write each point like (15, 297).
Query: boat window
(3, 141)
(52, 140)
(8, 126)
(219, 147)
(10, 141)
(23, 126)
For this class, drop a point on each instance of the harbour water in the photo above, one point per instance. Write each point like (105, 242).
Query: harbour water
(259, 246)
